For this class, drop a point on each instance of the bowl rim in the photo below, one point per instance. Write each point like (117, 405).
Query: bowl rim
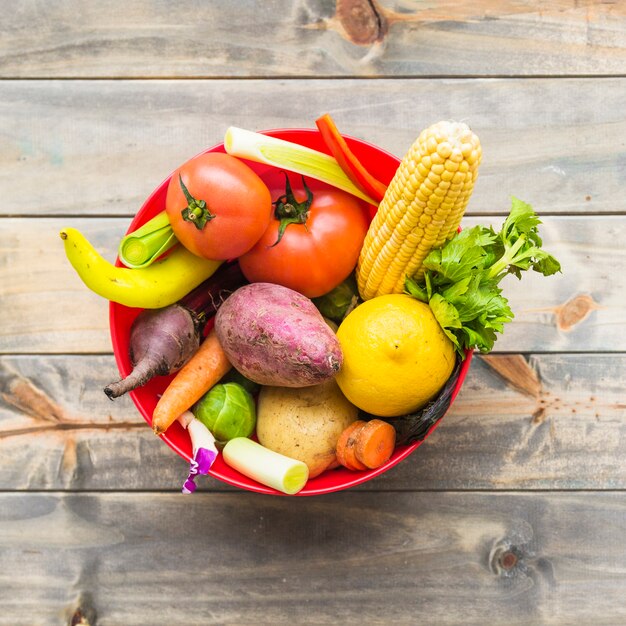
(359, 477)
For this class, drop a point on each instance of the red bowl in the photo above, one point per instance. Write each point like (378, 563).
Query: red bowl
(383, 165)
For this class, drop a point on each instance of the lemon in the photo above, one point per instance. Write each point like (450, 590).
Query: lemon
(396, 357)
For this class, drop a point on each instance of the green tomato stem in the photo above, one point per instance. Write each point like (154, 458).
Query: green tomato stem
(196, 210)
(289, 211)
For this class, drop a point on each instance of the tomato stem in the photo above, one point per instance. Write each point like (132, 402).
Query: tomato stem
(289, 211)
(196, 211)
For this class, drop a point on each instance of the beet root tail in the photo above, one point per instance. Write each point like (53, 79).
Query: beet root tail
(142, 373)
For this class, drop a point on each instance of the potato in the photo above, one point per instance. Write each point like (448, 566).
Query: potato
(304, 423)
(275, 336)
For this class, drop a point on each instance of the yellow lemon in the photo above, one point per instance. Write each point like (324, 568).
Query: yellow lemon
(396, 357)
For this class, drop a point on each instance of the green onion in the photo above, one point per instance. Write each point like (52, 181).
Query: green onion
(143, 246)
(260, 148)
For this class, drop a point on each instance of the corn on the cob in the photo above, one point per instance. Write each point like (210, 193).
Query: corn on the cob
(421, 209)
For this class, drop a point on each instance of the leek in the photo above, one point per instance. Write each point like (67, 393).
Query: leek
(146, 244)
(260, 148)
(265, 466)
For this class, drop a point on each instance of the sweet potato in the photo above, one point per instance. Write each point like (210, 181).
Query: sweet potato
(275, 336)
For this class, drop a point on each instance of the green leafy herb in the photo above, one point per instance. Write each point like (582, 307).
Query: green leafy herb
(461, 278)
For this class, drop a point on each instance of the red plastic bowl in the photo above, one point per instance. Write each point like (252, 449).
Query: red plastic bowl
(383, 165)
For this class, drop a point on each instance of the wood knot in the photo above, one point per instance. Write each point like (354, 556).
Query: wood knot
(363, 21)
(78, 619)
(505, 559)
(574, 311)
(83, 613)
(508, 560)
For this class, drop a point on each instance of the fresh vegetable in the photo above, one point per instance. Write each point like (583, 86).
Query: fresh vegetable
(304, 423)
(422, 207)
(312, 244)
(227, 410)
(338, 302)
(275, 336)
(161, 284)
(461, 279)
(366, 445)
(203, 370)
(265, 466)
(203, 453)
(217, 205)
(143, 246)
(396, 357)
(290, 156)
(163, 340)
(347, 160)
(346, 446)
(375, 443)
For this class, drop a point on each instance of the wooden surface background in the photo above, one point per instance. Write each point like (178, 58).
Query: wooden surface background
(513, 512)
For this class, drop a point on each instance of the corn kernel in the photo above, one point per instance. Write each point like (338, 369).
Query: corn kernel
(422, 207)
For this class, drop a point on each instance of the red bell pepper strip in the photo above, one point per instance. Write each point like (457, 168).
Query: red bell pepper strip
(347, 160)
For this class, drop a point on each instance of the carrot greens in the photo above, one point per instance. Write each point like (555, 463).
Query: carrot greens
(461, 279)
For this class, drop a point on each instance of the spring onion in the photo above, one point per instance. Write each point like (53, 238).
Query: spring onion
(290, 156)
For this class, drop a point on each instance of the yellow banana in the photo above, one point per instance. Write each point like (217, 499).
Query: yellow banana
(158, 285)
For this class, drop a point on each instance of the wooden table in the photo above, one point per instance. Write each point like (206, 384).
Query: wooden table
(513, 512)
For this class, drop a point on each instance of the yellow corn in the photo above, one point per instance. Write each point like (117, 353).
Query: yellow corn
(422, 207)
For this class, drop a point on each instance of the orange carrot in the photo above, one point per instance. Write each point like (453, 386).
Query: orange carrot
(375, 443)
(198, 375)
(346, 446)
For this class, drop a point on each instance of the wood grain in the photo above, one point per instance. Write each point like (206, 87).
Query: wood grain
(514, 510)
(439, 558)
(47, 309)
(312, 38)
(59, 431)
(101, 147)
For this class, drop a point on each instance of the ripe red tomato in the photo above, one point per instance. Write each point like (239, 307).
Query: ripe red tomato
(310, 245)
(217, 206)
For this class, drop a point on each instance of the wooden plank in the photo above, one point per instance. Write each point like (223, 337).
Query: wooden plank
(100, 147)
(313, 38)
(437, 558)
(543, 422)
(47, 309)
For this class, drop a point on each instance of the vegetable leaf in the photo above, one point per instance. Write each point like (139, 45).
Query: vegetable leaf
(461, 278)
(415, 290)
(521, 245)
(447, 316)
(460, 256)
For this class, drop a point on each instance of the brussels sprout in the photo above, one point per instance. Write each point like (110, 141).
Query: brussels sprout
(227, 410)
(336, 303)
